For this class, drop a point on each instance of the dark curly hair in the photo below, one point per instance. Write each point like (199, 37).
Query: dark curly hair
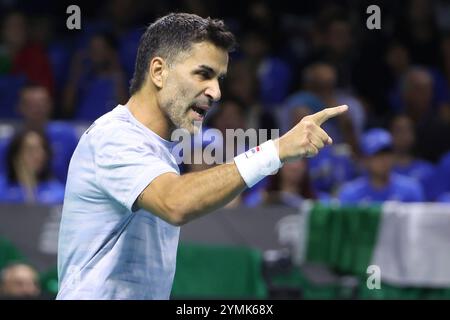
(175, 33)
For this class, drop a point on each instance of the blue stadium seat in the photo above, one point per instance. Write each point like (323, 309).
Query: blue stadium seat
(63, 141)
(128, 46)
(59, 56)
(10, 86)
(96, 97)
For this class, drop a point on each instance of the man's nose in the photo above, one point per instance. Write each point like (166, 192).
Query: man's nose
(213, 91)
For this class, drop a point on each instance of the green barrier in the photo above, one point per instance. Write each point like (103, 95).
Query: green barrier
(218, 272)
(9, 253)
(343, 238)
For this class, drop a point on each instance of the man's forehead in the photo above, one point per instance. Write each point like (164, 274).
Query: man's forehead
(208, 55)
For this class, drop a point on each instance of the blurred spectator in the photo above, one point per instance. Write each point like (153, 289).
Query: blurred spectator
(289, 187)
(274, 75)
(96, 82)
(29, 178)
(405, 163)
(36, 106)
(229, 114)
(18, 55)
(401, 72)
(380, 183)
(417, 103)
(320, 80)
(333, 42)
(243, 84)
(19, 281)
(334, 165)
(416, 27)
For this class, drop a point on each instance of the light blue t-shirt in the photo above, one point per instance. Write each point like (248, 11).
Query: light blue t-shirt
(107, 250)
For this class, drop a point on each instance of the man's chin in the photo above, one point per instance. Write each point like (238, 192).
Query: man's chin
(193, 128)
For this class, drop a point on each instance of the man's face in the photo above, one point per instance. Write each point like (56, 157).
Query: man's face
(35, 105)
(380, 164)
(192, 85)
(403, 136)
(20, 281)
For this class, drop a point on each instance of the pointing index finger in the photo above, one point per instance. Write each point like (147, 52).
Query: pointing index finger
(325, 114)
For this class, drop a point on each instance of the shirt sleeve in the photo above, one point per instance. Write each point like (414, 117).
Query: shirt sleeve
(126, 162)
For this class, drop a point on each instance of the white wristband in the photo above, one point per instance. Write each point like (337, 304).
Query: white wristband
(258, 162)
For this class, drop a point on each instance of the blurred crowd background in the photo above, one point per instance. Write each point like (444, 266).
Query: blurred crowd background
(294, 58)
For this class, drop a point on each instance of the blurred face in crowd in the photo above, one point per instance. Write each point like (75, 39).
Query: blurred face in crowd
(35, 106)
(100, 52)
(418, 92)
(292, 173)
(403, 136)
(191, 85)
(20, 281)
(32, 154)
(298, 114)
(254, 46)
(321, 79)
(380, 164)
(242, 82)
(14, 32)
(230, 116)
(339, 36)
(397, 58)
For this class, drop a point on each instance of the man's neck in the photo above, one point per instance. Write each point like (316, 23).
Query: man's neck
(379, 182)
(144, 107)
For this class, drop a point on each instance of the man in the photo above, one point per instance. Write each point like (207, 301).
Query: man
(405, 161)
(18, 281)
(125, 199)
(380, 184)
(36, 106)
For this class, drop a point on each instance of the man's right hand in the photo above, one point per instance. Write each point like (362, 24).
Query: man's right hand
(307, 137)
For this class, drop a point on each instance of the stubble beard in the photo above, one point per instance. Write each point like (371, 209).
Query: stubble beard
(178, 115)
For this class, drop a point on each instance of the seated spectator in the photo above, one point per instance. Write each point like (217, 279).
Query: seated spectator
(96, 82)
(36, 106)
(334, 165)
(417, 103)
(20, 56)
(29, 178)
(379, 184)
(19, 281)
(405, 163)
(319, 89)
(289, 187)
(243, 84)
(230, 114)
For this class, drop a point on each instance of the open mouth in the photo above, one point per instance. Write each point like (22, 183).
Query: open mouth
(200, 111)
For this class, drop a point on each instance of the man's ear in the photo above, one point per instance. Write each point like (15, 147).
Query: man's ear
(157, 71)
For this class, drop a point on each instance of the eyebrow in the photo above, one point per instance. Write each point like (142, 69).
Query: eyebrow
(211, 70)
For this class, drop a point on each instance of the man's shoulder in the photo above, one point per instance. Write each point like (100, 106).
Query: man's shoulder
(406, 183)
(115, 125)
(353, 190)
